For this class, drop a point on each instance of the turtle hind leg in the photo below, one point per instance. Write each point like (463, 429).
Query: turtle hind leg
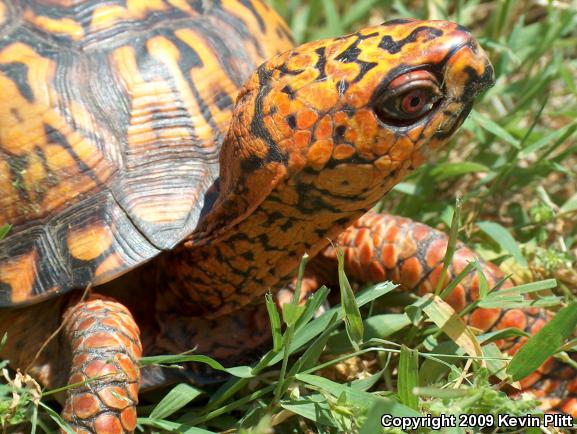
(384, 247)
(104, 373)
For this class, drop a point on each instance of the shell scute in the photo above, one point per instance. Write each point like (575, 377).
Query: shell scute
(112, 115)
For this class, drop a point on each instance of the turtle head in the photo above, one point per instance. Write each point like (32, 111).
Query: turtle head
(335, 124)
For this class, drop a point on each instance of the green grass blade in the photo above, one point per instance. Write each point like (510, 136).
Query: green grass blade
(504, 239)
(275, 325)
(56, 418)
(4, 231)
(313, 304)
(365, 399)
(408, 377)
(314, 351)
(544, 343)
(376, 326)
(317, 326)
(237, 371)
(314, 408)
(494, 128)
(173, 427)
(177, 398)
(451, 244)
(351, 312)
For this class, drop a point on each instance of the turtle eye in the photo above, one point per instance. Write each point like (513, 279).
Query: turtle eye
(408, 98)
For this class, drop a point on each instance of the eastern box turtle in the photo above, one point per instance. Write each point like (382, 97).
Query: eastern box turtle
(147, 129)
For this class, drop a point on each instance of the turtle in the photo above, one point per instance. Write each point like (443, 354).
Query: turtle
(164, 164)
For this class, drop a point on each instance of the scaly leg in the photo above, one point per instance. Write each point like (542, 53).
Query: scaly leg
(106, 349)
(383, 247)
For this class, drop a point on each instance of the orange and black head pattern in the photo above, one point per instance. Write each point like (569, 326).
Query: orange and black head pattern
(320, 134)
(338, 122)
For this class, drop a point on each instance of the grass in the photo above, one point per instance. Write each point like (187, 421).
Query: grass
(514, 165)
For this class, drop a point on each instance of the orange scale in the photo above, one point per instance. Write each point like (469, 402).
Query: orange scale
(99, 368)
(391, 233)
(421, 232)
(531, 379)
(86, 324)
(319, 95)
(324, 128)
(108, 423)
(300, 60)
(279, 123)
(101, 340)
(363, 236)
(411, 272)
(343, 152)
(383, 141)
(351, 135)
(436, 252)
(128, 418)
(127, 367)
(357, 99)
(270, 123)
(514, 318)
(94, 307)
(401, 150)
(457, 298)
(377, 272)
(306, 118)
(320, 153)
(136, 349)
(389, 255)
(435, 275)
(78, 343)
(283, 105)
(350, 255)
(85, 405)
(302, 139)
(80, 359)
(132, 389)
(341, 118)
(365, 253)
(124, 340)
(484, 319)
(425, 288)
(114, 397)
(407, 248)
(415, 133)
(367, 128)
(376, 237)
(474, 286)
(130, 332)
(76, 378)
(384, 164)
(462, 258)
(111, 321)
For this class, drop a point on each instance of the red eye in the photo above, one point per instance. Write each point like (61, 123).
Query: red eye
(408, 98)
(414, 101)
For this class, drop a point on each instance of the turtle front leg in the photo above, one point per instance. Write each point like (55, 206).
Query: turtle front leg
(106, 349)
(384, 247)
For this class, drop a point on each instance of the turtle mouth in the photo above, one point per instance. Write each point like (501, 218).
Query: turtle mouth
(476, 59)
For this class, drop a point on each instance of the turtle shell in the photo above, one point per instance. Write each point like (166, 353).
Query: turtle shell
(112, 115)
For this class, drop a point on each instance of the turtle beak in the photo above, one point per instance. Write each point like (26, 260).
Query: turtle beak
(467, 68)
